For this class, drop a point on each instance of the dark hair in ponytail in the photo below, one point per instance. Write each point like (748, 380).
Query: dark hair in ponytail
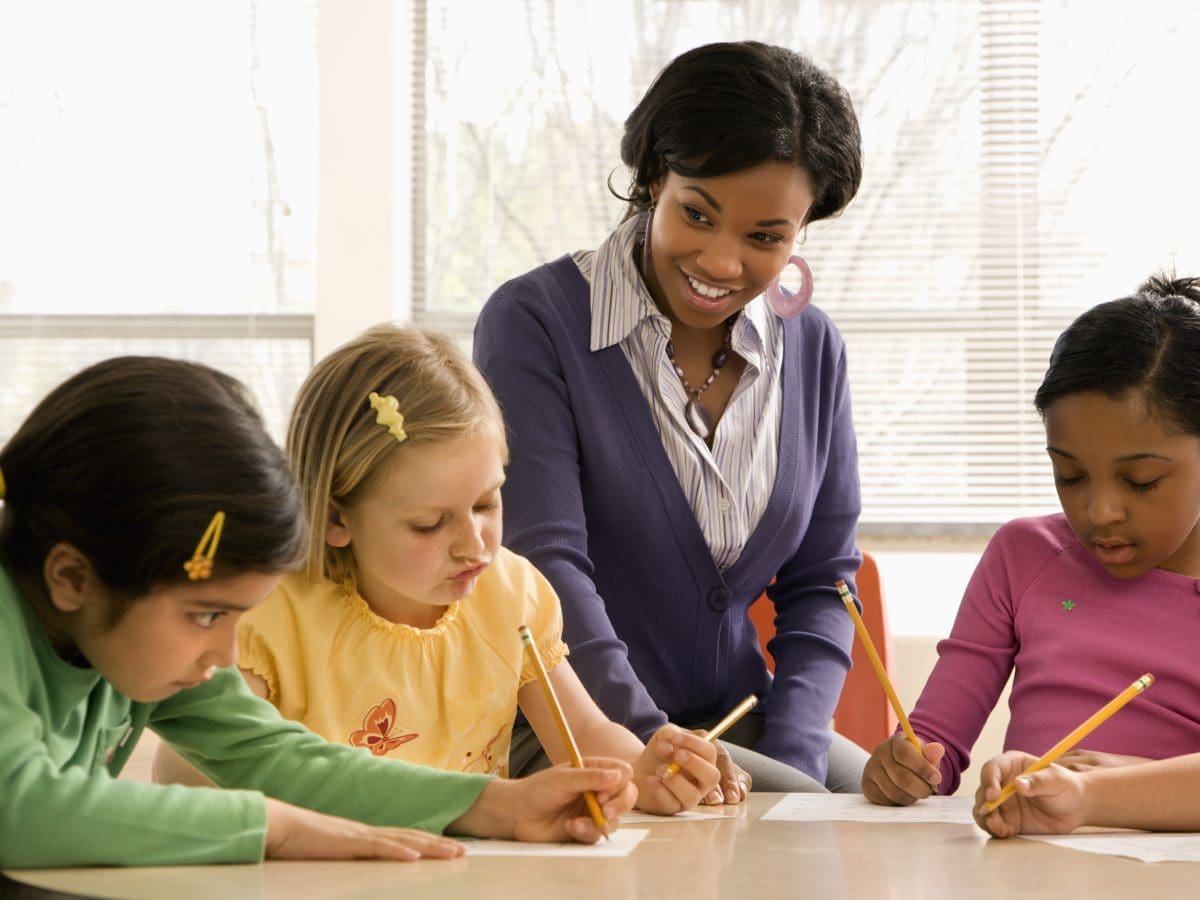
(1147, 344)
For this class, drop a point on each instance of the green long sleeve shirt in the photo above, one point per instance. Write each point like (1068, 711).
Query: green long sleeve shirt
(65, 733)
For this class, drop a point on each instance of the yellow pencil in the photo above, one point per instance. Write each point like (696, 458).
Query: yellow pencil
(719, 729)
(564, 730)
(880, 671)
(1097, 719)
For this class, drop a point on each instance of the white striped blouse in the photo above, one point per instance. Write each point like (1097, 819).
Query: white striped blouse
(728, 486)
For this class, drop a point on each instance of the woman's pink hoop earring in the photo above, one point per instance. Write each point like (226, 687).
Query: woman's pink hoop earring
(784, 302)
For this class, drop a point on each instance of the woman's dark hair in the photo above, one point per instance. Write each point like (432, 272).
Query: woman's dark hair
(128, 461)
(725, 107)
(1148, 344)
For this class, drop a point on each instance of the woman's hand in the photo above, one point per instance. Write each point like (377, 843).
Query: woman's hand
(549, 806)
(1050, 801)
(898, 774)
(297, 833)
(664, 793)
(735, 782)
(1082, 760)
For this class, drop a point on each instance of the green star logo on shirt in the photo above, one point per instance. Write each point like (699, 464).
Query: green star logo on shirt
(1068, 605)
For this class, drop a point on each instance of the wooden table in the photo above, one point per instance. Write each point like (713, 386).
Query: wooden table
(738, 857)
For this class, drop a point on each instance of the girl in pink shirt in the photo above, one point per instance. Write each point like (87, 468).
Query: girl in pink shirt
(1081, 603)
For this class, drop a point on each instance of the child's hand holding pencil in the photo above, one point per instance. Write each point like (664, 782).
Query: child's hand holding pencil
(1059, 793)
(549, 806)
(676, 771)
(594, 807)
(898, 774)
(706, 766)
(1050, 801)
(902, 770)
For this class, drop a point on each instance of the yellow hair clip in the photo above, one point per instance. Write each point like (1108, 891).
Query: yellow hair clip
(3, 486)
(387, 414)
(199, 567)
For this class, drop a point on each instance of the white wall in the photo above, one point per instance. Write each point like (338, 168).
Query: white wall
(362, 249)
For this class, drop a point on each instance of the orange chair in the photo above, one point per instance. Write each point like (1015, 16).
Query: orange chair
(863, 713)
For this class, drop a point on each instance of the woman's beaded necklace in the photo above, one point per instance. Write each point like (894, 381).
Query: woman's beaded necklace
(698, 416)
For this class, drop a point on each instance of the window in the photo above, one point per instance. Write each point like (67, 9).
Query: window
(157, 191)
(1024, 160)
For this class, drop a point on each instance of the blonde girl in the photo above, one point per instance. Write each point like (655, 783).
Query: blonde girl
(400, 634)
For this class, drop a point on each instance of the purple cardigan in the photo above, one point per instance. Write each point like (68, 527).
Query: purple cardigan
(656, 630)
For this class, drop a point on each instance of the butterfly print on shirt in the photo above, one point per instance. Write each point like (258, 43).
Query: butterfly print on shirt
(376, 733)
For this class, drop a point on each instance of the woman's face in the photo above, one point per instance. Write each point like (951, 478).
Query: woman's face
(717, 243)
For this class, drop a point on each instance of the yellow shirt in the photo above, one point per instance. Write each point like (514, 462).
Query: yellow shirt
(443, 696)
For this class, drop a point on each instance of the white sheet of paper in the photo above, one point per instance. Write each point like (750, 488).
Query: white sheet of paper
(1138, 845)
(621, 843)
(633, 818)
(856, 808)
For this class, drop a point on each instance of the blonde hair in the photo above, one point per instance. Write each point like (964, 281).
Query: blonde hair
(339, 452)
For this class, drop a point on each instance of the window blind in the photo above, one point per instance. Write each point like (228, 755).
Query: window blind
(1024, 160)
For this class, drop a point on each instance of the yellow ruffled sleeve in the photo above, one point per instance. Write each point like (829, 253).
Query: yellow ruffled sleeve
(254, 655)
(255, 652)
(543, 615)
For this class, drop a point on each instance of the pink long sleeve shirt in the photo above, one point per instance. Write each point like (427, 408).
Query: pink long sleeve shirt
(1040, 602)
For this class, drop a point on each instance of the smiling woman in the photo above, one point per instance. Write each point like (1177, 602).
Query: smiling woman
(717, 243)
(713, 245)
(681, 425)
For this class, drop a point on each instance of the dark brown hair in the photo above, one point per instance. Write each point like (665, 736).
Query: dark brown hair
(1148, 344)
(128, 461)
(724, 107)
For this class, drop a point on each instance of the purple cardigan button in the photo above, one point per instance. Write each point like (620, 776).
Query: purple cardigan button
(719, 599)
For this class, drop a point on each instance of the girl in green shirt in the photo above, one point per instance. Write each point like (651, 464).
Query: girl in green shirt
(110, 624)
